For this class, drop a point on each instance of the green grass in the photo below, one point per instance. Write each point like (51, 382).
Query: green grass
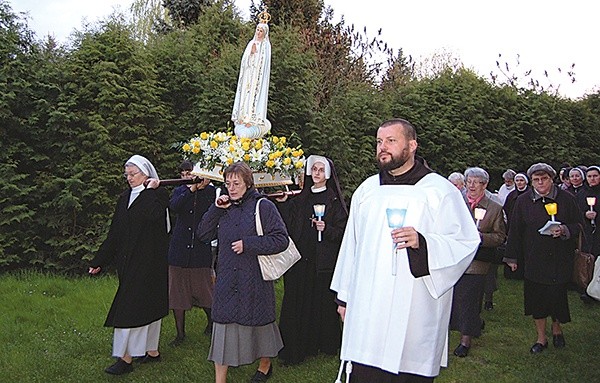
(51, 331)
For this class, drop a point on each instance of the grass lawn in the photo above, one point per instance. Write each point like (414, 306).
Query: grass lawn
(51, 331)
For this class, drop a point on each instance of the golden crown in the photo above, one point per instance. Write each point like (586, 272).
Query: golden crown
(264, 17)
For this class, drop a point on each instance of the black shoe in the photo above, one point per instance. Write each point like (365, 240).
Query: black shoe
(177, 341)
(120, 367)
(558, 341)
(586, 299)
(488, 306)
(461, 351)
(259, 376)
(150, 359)
(538, 347)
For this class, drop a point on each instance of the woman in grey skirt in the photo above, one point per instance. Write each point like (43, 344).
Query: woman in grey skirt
(243, 308)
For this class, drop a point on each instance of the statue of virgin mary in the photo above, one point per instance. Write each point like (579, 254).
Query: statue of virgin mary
(250, 107)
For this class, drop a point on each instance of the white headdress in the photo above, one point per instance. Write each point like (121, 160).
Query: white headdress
(311, 161)
(144, 165)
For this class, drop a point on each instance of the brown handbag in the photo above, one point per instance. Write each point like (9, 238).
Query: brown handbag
(583, 266)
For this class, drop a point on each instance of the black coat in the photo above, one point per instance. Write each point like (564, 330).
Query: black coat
(297, 213)
(591, 233)
(546, 260)
(137, 243)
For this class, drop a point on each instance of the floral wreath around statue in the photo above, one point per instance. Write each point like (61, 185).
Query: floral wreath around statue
(269, 154)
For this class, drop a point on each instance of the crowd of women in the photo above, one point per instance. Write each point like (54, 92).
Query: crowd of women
(181, 271)
(510, 223)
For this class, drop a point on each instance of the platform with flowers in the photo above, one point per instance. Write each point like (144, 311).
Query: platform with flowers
(273, 162)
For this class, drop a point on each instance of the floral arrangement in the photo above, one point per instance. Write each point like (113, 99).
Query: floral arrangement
(264, 155)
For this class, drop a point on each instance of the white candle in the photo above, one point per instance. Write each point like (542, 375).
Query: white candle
(479, 214)
(591, 201)
(319, 213)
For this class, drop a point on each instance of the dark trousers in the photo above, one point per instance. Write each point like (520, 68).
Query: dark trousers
(367, 374)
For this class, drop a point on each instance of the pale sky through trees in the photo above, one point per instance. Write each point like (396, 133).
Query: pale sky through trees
(546, 34)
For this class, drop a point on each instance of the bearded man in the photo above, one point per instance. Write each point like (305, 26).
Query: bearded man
(394, 286)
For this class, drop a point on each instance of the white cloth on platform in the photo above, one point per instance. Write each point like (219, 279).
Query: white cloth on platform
(400, 323)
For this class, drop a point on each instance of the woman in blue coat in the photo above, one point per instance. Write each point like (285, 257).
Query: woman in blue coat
(243, 310)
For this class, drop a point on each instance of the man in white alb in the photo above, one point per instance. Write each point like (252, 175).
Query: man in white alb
(394, 286)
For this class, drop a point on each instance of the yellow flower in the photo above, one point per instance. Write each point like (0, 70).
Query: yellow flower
(196, 150)
(299, 165)
(246, 157)
(270, 163)
(214, 144)
(301, 151)
(283, 140)
(275, 139)
(246, 146)
(204, 135)
(231, 148)
(272, 156)
(229, 161)
(258, 145)
(287, 161)
(288, 151)
(186, 147)
(197, 143)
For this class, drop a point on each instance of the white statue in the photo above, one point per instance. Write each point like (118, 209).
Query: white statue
(250, 107)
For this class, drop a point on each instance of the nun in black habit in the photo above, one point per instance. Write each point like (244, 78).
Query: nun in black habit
(309, 322)
(137, 244)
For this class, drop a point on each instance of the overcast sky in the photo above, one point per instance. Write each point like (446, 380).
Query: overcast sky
(546, 34)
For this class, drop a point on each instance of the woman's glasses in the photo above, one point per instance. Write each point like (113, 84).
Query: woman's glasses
(127, 175)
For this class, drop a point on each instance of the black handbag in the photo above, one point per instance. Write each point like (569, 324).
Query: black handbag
(489, 254)
(583, 266)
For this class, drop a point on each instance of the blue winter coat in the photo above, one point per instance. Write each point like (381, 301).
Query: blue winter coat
(241, 295)
(184, 250)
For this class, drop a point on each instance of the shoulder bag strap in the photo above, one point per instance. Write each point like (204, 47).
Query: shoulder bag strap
(259, 229)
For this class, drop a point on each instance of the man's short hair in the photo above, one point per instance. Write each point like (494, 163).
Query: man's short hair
(407, 128)
(186, 165)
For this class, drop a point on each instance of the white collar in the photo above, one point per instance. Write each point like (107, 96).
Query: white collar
(318, 190)
(138, 188)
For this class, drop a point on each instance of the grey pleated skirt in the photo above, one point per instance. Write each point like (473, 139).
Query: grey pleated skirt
(235, 345)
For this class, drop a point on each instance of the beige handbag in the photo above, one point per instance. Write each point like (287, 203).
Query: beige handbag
(273, 266)
(593, 288)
